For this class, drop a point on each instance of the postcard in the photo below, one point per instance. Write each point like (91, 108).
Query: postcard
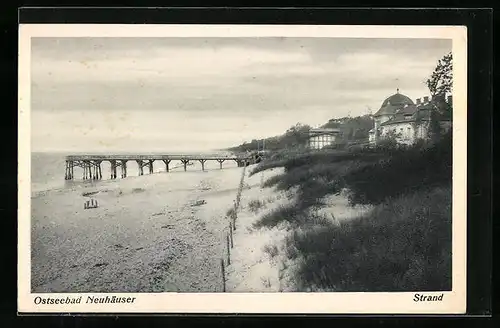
(242, 169)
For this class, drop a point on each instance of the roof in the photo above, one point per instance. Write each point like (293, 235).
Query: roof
(393, 103)
(420, 112)
(324, 129)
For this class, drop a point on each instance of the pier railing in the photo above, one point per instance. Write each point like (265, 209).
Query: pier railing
(153, 157)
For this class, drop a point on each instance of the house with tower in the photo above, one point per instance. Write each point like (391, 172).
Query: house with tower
(408, 121)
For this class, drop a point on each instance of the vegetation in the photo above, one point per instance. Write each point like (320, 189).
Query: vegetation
(440, 84)
(403, 243)
(255, 205)
(295, 139)
(352, 128)
(230, 212)
(441, 80)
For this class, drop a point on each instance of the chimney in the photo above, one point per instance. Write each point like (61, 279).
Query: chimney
(426, 99)
(450, 100)
(418, 101)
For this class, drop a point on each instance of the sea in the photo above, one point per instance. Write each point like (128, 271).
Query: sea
(48, 168)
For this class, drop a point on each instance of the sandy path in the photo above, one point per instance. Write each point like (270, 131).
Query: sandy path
(258, 260)
(253, 267)
(144, 237)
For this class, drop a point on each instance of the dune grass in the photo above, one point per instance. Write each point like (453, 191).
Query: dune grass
(402, 245)
(255, 205)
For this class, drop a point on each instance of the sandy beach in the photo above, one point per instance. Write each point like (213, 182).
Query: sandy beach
(147, 235)
(163, 232)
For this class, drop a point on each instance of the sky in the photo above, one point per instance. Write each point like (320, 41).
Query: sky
(197, 94)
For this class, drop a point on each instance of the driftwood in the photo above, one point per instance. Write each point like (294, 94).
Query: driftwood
(199, 202)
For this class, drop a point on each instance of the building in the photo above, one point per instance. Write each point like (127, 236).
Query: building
(321, 137)
(406, 120)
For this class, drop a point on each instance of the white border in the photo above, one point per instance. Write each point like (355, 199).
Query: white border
(454, 302)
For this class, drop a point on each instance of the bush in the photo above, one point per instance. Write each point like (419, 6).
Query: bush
(293, 215)
(273, 181)
(255, 205)
(284, 213)
(230, 212)
(405, 171)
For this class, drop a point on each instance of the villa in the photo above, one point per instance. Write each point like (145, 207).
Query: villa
(406, 120)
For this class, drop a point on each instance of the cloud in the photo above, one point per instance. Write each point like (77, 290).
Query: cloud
(226, 90)
(177, 64)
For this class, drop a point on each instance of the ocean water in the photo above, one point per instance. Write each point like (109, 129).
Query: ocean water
(47, 170)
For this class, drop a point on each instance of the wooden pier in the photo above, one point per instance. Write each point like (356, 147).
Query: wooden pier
(91, 164)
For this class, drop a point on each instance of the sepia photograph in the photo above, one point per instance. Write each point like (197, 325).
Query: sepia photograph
(249, 164)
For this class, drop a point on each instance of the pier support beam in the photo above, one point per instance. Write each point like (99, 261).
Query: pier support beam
(89, 170)
(87, 174)
(140, 166)
(151, 166)
(185, 162)
(124, 168)
(113, 169)
(166, 161)
(220, 162)
(99, 170)
(95, 169)
(67, 174)
(202, 161)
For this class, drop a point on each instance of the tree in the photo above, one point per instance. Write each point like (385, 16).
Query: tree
(389, 140)
(297, 135)
(440, 83)
(434, 131)
(441, 80)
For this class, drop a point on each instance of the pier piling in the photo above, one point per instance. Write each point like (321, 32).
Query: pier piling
(151, 166)
(113, 169)
(166, 161)
(202, 161)
(185, 162)
(140, 166)
(124, 168)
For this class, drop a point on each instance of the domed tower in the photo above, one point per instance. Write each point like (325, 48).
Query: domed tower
(389, 107)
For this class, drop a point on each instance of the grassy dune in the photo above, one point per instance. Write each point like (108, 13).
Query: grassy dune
(402, 244)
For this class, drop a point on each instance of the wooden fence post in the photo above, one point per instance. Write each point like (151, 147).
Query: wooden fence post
(228, 251)
(223, 273)
(234, 218)
(231, 233)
